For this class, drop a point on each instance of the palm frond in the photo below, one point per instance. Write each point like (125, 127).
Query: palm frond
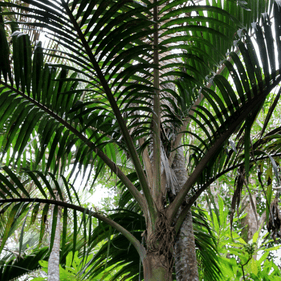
(228, 102)
(77, 116)
(232, 112)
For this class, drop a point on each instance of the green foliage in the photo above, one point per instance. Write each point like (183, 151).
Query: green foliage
(110, 91)
(239, 259)
(72, 270)
(76, 269)
(243, 262)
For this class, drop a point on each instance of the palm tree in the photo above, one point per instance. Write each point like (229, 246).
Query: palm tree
(132, 79)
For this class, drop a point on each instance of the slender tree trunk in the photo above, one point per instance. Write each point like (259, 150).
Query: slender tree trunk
(184, 252)
(54, 259)
(184, 249)
(156, 268)
(250, 222)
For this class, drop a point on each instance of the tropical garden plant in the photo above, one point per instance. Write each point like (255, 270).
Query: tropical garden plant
(131, 84)
(239, 258)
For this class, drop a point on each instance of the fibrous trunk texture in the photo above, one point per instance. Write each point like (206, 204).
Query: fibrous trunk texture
(54, 259)
(184, 252)
(184, 249)
(156, 268)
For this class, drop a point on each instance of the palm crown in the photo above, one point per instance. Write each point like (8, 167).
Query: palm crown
(131, 78)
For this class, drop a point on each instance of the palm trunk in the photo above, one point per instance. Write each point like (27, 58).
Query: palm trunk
(184, 249)
(156, 268)
(184, 252)
(54, 259)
